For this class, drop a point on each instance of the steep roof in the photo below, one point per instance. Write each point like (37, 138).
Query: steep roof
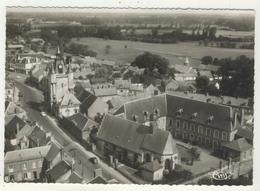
(98, 180)
(27, 154)
(26, 131)
(168, 105)
(238, 145)
(86, 99)
(69, 99)
(58, 170)
(13, 123)
(54, 150)
(105, 92)
(12, 108)
(79, 120)
(246, 133)
(133, 136)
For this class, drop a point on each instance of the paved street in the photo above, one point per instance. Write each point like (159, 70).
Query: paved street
(31, 99)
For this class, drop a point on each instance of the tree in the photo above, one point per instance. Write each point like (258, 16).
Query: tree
(151, 61)
(207, 60)
(195, 154)
(107, 49)
(202, 83)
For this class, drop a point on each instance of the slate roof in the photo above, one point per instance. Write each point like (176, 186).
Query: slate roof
(38, 136)
(12, 108)
(238, 145)
(58, 170)
(14, 121)
(168, 105)
(245, 133)
(27, 154)
(79, 120)
(54, 150)
(134, 136)
(26, 131)
(98, 180)
(152, 166)
(86, 99)
(68, 99)
(75, 178)
(105, 92)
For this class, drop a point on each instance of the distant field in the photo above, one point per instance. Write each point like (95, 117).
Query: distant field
(173, 52)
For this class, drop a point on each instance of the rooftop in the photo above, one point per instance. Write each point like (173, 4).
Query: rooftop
(238, 145)
(135, 137)
(27, 154)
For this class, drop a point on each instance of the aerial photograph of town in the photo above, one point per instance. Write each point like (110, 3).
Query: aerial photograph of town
(129, 96)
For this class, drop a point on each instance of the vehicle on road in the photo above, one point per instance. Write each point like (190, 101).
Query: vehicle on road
(43, 113)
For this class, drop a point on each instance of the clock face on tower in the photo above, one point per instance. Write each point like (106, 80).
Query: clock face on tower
(60, 66)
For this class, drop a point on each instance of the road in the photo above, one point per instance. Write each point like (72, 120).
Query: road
(31, 100)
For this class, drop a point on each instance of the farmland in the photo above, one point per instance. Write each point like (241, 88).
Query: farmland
(126, 51)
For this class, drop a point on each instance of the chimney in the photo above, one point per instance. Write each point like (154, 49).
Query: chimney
(97, 172)
(17, 127)
(234, 120)
(242, 116)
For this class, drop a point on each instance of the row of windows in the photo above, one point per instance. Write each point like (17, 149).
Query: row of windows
(25, 165)
(201, 130)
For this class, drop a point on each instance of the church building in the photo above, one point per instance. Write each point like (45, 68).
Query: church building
(59, 94)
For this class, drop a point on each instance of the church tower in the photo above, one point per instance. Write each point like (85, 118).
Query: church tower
(60, 80)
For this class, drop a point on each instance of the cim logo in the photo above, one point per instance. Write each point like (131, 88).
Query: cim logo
(221, 175)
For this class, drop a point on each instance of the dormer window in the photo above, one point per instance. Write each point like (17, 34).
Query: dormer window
(194, 115)
(210, 119)
(179, 112)
(156, 112)
(145, 113)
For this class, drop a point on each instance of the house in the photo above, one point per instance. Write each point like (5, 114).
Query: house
(172, 85)
(13, 127)
(237, 150)
(11, 109)
(25, 62)
(152, 171)
(151, 90)
(105, 91)
(134, 144)
(32, 136)
(185, 76)
(68, 106)
(60, 172)
(80, 126)
(91, 104)
(245, 132)
(26, 164)
(206, 124)
(11, 93)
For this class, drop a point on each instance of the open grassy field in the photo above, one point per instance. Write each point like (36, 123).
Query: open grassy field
(126, 51)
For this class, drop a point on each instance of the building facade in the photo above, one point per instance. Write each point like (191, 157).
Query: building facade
(189, 120)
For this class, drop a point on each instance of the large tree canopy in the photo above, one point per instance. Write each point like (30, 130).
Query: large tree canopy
(238, 77)
(151, 62)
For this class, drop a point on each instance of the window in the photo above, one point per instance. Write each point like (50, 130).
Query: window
(35, 175)
(178, 123)
(200, 129)
(10, 168)
(34, 165)
(156, 92)
(191, 136)
(25, 175)
(24, 166)
(216, 134)
(185, 125)
(192, 127)
(224, 136)
(170, 123)
(40, 163)
(145, 115)
(208, 132)
(75, 110)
